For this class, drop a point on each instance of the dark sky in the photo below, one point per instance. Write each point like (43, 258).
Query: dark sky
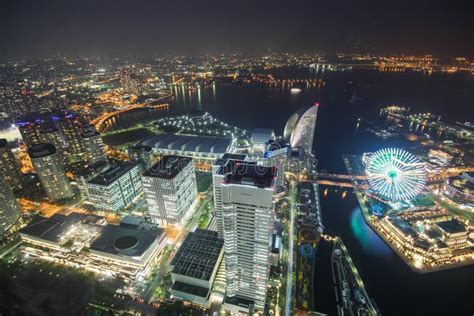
(138, 27)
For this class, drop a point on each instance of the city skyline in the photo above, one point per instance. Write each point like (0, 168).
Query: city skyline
(223, 158)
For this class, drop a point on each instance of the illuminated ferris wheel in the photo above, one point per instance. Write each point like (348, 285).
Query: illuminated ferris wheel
(395, 174)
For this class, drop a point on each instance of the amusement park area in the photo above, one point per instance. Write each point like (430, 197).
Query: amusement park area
(411, 209)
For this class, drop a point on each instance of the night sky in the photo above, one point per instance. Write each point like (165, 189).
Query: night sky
(39, 28)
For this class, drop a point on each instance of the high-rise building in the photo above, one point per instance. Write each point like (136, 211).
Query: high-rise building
(130, 82)
(94, 147)
(299, 130)
(63, 130)
(141, 154)
(9, 170)
(114, 188)
(71, 130)
(248, 213)
(170, 189)
(30, 132)
(9, 209)
(50, 171)
(87, 173)
(52, 135)
(220, 168)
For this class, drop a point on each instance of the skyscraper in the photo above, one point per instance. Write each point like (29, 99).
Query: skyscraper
(248, 212)
(170, 189)
(114, 188)
(30, 132)
(299, 130)
(52, 135)
(220, 168)
(51, 173)
(9, 209)
(9, 170)
(94, 147)
(71, 130)
(130, 82)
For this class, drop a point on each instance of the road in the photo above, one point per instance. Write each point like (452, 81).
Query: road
(289, 285)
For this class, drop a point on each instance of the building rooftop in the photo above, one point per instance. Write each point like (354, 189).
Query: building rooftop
(229, 165)
(452, 226)
(251, 174)
(92, 169)
(168, 167)
(53, 228)
(112, 173)
(198, 255)
(225, 159)
(127, 241)
(199, 144)
(41, 150)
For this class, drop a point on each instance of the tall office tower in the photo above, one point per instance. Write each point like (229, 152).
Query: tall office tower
(299, 130)
(141, 154)
(94, 147)
(71, 130)
(131, 83)
(9, 209)
(52, 135)
(220, 168)
(9, 169)
(170, 189)
(46, 161)
(30, 132)
(248, 213)
(114, 188)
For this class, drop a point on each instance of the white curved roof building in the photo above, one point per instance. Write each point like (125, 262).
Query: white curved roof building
(299, 130)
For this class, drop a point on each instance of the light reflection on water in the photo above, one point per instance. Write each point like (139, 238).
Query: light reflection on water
(367, 238)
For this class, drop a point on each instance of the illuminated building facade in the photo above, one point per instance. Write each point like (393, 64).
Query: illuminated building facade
(9, 169)
(170, 190)
(71, 130)
(88, 173)
(85, 241)
(220, 168)
(9, 209)
(460, 190)
(30, 132)
(50, 170)
(299, 130)
(94, 148)
(248, 212)
(114, 188)
(440, 155)
(130, 82)
(63, 130)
